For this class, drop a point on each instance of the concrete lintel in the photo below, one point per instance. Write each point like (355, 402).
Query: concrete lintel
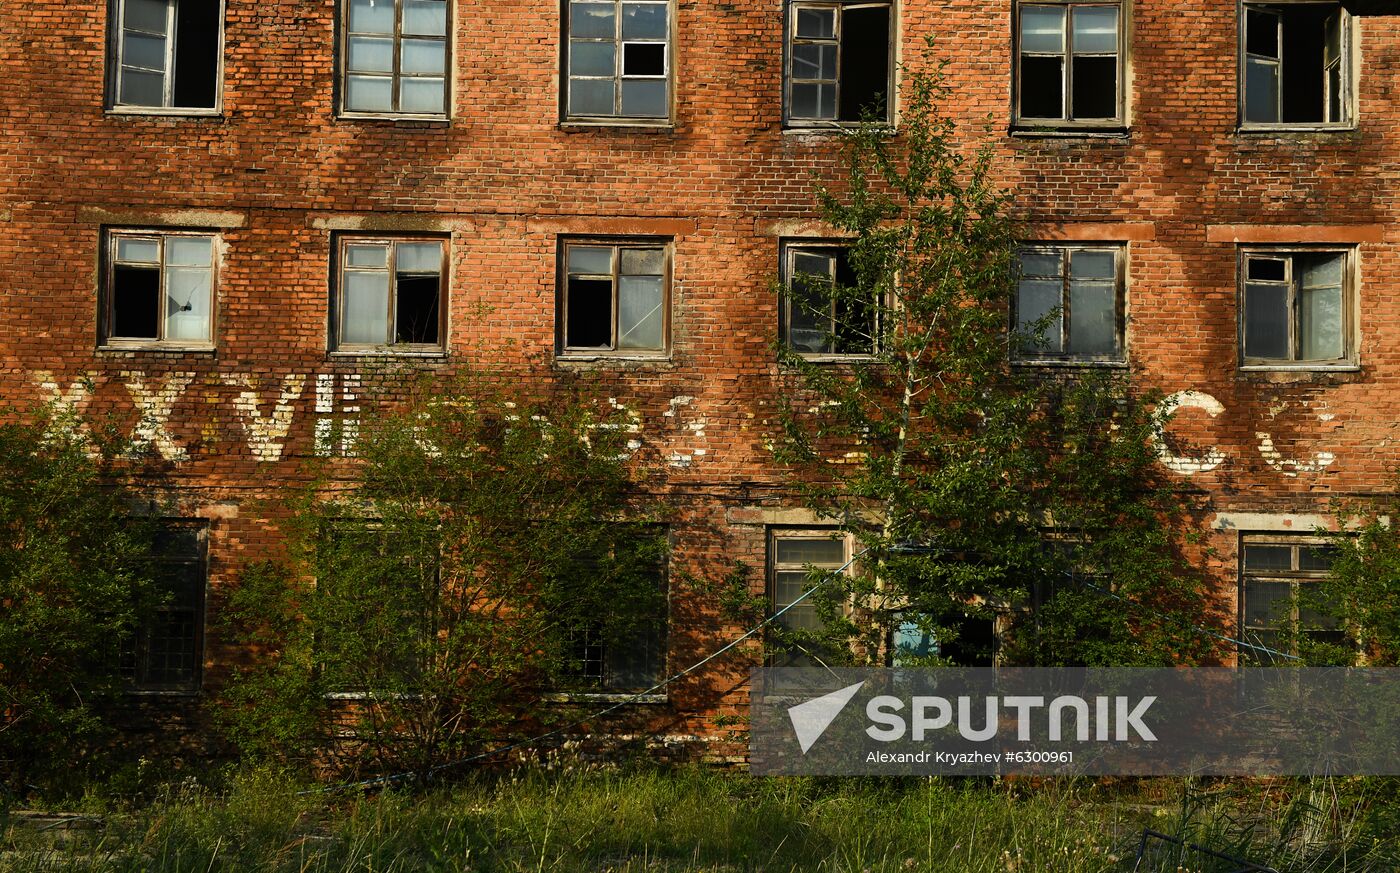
(1281, 522)
(796, 227)
(1295, 233)
(1095, 231)
(162, 217)
(595, 225)
(390, 221)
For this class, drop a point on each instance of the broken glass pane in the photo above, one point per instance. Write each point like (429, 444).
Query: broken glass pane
(188, 291)
(639, 318)
(135, 302)
(643, 59)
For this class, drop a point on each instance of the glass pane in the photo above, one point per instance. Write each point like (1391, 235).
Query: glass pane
(1321, 271)
(644, 98)
(813, 101)
(911, 641)
(809, 264)
(366, 308)
(592, 20)
(1091, 265)
(1257, 558)
(1042, 29)
(1265, 603)
(369, 93)
(821, 552)
(591, 97)
(592, 260)
(643, 262)
(1041, 264)
(816, 23)
(423, 55)
(367, 256)
(422, 94)
(1036, 299)
(142, 89)
(371, 54)
(592, 59)
(639, 312)
(425, 17)
(814, 62)
(188, 251)
(809, 323)
(1266, 321)
(147, 15)
(1320, 324)
(1096, 29)
(1093, 325)
(187, 298)
(141, 251)
(1268, 269)
(1316, 557)
(139, 50)
(372, 16)
(1261, 91)
(644, 21)
(423, 257)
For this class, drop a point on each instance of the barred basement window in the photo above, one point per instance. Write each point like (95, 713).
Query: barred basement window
(395, 55)
(618, 60)
(1295, 65)
(1083, 287)
(1295, 307)
(167, 653)
(1274, 572)
(615, 297)
(1069, 70)
(158, 289)
(823, 313)
(390, 294)
(166, 54)
(839, 64)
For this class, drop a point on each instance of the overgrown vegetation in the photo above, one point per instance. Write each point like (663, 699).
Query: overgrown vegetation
(445, 582)
(1030, 497)
(76, 584)
(567, 818)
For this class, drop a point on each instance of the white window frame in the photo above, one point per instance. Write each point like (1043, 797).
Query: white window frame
(338, 308)
(790, 38)
(790, 248)
(1066, 251)
(343, 72)
(1348, 62)
(107, 295)
(116, 16)
(1067, 119)
(1350, 308)
(566, 116)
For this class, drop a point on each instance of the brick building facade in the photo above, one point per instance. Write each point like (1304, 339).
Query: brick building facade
(226, 224)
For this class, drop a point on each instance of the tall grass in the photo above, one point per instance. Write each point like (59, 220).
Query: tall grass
(700, 820)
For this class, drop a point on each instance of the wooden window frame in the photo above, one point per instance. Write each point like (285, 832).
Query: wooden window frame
(1295, 577)
(1350, 308)
(790, 8)
(788, 250)
(617, 243)
(342, 241)
(1117, 123)
(116, 17)
(773, 567)
(343, 71)
(1035, 357)
(1349, 71)
(107, 306)
(617, 118)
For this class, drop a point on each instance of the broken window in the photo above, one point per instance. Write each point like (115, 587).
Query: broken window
(1296, 64)
(159, 288)
(391, 293)
(1296, 307)
(1069, 68)
(1274, 596)
(1076, 294)
(791, 555)
(395, 57)
(838, 62)
(167, 53)
(166, 653)
(616, 297)
(619, 59)
(824, 311)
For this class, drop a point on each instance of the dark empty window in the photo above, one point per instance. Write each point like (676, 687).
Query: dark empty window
(616, 297)
(1297, 66)
(166, 653)
(167, 53)
(824, 311)
(618, 60)
(1296, 307)
(1069, 69)
(391, 293)
(395, 57)
(1076, 294)
(159, 288)
(838, 62)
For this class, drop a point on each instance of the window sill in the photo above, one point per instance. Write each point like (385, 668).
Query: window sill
(833, 127)
(1345, 367)
(572, 358)
(837, 359)
(162, 112)
(159, 348)
(390, 352)
(604, 697)
(409, 121)
(581, 125)
(1105, 132)
(160, 692)
(1071, 363)
(1261, 130)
